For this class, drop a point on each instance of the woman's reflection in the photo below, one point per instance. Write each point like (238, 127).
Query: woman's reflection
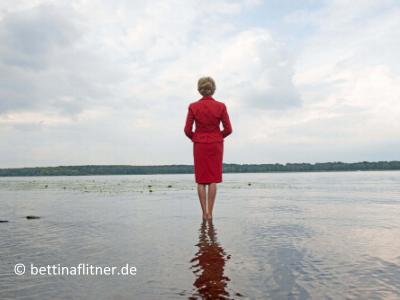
(208, 265)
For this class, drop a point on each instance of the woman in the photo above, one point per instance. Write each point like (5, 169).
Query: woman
(208, 142)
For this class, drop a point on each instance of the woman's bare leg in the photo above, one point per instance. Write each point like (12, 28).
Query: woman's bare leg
(201, 190)
(212, 192)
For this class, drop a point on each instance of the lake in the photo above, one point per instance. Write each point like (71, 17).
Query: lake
(325, 235)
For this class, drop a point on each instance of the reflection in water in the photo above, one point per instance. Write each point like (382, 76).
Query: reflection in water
(208, 266)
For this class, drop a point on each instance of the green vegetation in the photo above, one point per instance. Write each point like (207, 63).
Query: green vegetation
(188, 169)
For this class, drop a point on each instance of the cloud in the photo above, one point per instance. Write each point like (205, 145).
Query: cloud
(109, 82)
(30, 37)
(258, 71)
(348, 71)
(70, 60)
(37, 61)
(348, 77)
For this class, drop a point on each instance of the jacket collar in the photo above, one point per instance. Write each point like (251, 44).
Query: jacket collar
(207, 98)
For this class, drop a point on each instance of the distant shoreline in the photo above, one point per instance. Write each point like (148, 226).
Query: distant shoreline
(87, 170)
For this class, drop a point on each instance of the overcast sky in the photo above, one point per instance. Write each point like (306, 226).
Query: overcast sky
(109, 82)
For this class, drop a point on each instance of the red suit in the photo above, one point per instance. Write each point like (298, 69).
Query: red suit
(208, 138)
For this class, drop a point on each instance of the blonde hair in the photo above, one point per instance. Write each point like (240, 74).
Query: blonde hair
(206, 86)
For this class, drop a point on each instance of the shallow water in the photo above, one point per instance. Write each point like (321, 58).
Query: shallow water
(284, 236)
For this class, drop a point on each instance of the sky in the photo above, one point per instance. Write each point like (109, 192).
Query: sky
(109, 82)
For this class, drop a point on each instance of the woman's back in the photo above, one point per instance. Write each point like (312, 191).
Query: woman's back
(207, 113)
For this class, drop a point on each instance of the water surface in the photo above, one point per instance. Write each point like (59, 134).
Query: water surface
(274, 236)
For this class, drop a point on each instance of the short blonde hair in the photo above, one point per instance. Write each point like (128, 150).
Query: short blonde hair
(206, 86)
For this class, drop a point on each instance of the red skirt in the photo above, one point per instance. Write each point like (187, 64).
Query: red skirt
(208, 162)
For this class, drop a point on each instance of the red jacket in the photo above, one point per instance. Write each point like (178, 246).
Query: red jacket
(207, 113)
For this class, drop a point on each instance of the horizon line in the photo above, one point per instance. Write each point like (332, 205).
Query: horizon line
(167, 165)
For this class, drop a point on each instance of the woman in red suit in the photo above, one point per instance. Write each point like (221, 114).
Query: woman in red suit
(208, 142)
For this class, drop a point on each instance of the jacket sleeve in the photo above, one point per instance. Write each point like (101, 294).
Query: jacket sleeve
(189, 123)
(226, 123)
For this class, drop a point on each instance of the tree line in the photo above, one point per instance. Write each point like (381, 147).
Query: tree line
(188, 169)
